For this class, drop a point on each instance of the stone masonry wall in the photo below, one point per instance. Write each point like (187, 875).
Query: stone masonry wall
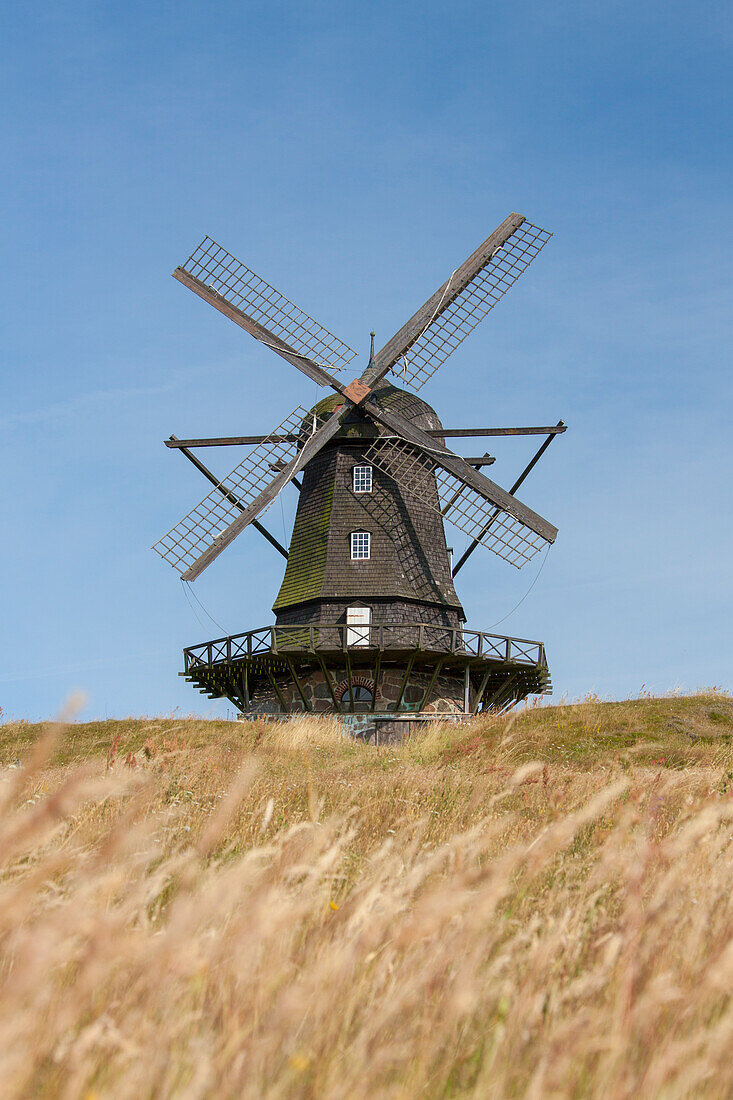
(446, 695)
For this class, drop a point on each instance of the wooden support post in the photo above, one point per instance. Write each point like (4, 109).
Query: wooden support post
(349, 679)
(481, 688)
(403, 685)
(466, 690)
(276, 689)
(245, 687)
(296, 681)
(329, 685)
(431, 682)
(506, 702)
(377, 675)
(233, 694)
(501, 691)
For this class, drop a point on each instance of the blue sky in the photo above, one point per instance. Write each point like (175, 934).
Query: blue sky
(353, 154)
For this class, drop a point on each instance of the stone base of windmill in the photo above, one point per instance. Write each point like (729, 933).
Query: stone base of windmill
(379, 694)
(446, 695)
(391, 729)
(377, 722)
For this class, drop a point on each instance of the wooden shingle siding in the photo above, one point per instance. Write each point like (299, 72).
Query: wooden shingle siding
(409, 567)
(383, 610)
(306, 568)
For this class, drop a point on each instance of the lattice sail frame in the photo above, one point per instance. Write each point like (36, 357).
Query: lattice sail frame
(450, 327)
(184, 543)
(213, 265)
(418, 475)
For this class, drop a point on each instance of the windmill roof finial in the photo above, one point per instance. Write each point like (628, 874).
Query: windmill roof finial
(371, 353)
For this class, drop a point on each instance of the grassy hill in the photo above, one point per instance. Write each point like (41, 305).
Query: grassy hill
(534, 905)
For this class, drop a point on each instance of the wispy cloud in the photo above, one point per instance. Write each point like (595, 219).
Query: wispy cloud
(80, 401)
(44, 673)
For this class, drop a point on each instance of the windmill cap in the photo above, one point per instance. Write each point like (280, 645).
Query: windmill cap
(386, 395)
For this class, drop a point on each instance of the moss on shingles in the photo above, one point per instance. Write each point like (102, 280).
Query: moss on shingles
(306, 566)
(389, 397)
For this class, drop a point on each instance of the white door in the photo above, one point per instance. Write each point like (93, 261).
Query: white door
(357, 625)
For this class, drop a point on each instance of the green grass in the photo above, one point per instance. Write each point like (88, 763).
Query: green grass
(675, 731)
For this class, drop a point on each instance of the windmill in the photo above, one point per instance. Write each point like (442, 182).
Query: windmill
(368, 622)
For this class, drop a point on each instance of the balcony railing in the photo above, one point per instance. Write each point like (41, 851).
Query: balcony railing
(334, 637)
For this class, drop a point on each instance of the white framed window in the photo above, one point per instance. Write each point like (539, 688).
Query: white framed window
(358, 621)
(361, 545)
(362, 479)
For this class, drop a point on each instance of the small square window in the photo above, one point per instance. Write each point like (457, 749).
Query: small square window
(361, 545)
(362, 479)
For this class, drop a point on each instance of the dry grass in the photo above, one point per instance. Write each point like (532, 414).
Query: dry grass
(536, 906)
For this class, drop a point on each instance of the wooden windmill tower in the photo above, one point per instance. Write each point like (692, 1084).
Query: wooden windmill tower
(368, 623)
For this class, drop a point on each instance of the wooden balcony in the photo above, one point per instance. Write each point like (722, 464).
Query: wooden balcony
(497, 668)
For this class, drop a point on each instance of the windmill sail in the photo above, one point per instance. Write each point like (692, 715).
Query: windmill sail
(217, 269)
(183, 545)
(419, 474)
(472, 291)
